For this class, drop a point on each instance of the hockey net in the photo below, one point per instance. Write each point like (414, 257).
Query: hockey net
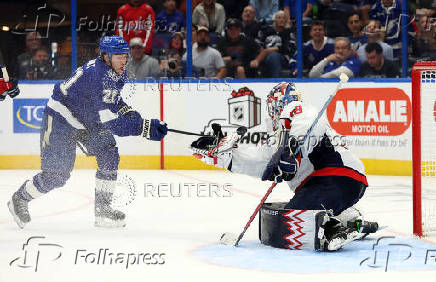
(424, 148)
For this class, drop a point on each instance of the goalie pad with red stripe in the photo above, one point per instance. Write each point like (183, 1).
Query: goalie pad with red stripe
(292, 229)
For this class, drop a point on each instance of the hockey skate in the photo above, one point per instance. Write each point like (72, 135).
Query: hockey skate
(342, 237)
(365, 227)
(105, 215)
(19, 210)
(337, 235)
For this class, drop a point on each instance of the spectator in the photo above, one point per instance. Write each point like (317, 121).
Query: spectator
(374, 35)
(250, 26)
(194, 37)
(40, 67)
(238, 51)
(169, 19)
(341, 61)
(172, 66)
(156, 5)
(233, 8)
(279, 46)
(376, 65)
(357, 37)
(211, 15)
(363, 7)
(389, 14)
(176, 43)
(136, 19)
(425, 44)
(63, 59)
(182, 5)
(265, 9)
(306, 6)
(205, 59)
(33, 43)
(315, 49)
(140, 65)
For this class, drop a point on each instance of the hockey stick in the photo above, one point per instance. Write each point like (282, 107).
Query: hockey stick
(215, 127)
(231, 238)
(185, 132)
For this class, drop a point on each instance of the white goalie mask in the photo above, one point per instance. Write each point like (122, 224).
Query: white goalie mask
(278, 98)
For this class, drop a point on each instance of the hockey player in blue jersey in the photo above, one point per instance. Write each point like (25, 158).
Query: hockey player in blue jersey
(87, 108)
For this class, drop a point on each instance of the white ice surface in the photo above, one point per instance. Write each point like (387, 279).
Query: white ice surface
(187, 227)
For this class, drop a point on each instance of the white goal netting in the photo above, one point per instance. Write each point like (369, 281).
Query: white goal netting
(428, 151)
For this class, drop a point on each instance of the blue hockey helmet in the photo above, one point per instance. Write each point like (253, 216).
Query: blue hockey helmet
(113, 45)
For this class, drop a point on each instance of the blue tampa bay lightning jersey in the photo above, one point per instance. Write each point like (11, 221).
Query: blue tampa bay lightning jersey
(352, 63)
(90, 99)
(312, 56)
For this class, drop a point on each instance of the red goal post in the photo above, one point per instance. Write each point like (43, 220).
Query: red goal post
(424, 148)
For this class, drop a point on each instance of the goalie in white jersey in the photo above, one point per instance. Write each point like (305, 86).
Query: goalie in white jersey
(323, 176)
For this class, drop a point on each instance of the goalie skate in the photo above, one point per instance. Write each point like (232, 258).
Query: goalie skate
(19, 210)
(343, 237)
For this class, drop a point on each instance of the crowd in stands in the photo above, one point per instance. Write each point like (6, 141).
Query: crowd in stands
(253, 38)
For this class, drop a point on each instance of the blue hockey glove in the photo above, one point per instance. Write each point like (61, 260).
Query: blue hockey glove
(282, 166)
(154, 129)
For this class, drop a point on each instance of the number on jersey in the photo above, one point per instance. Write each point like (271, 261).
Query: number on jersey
(67, 84)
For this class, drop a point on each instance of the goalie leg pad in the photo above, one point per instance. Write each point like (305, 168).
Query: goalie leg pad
(292, 229)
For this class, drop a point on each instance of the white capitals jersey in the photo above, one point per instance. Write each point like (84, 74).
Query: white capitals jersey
(322, 154)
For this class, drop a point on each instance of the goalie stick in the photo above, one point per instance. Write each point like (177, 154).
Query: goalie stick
(233, 239)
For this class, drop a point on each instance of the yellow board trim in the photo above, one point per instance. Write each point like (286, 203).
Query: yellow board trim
(380, 167)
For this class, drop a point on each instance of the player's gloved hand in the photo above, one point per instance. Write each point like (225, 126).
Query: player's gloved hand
(208, 151)
(154, 129)
(282, 166)
(14, 90)
(8, 88)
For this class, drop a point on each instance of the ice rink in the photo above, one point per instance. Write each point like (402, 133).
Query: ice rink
(173, 229)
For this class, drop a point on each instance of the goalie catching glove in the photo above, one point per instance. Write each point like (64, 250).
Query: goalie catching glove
(8, 88)
(211, 152)
(282, 166)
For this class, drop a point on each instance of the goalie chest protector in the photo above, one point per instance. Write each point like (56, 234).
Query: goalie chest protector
(291, 229)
